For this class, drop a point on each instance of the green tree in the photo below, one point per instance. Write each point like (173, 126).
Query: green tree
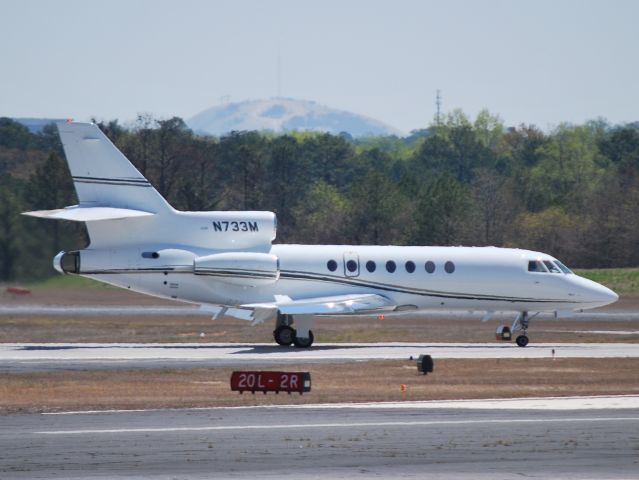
(567, 171)
(322, 216)
(10, 236)
(286, 181)
(621, 147)
(441, 212)
(380, 214)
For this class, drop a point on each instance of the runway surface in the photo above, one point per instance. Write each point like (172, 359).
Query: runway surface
(583, 438)
(38, 357)
(27, 357)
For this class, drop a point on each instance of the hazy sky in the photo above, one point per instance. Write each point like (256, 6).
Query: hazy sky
(540, 62)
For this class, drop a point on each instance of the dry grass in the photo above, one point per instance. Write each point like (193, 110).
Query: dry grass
(349, 382)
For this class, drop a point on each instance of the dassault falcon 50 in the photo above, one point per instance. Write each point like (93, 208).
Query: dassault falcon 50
(227, 262)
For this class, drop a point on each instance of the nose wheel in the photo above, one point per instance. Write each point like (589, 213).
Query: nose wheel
(521, 325)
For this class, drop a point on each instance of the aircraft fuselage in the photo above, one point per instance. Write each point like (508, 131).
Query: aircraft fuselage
(485, 278)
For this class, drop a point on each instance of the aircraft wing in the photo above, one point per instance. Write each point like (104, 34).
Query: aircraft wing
(335, 305)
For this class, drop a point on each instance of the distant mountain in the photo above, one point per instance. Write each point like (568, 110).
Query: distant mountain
(282, 115)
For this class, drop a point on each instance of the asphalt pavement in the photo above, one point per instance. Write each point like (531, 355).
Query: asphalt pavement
(367, 441)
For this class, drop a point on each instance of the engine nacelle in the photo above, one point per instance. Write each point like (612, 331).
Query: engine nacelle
(131, 260)
(240, 268)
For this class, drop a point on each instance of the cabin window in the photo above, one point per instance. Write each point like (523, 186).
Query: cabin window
(552, 268)
(449, 267)
(331, 265)
(150, 255)
(410, 267)
(390, 266)
(536, 266)
(429, 266)
(370, 266)
(351, 265)
(563, 267)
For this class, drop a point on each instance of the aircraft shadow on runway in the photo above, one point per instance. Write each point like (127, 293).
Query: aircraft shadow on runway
(268, 349)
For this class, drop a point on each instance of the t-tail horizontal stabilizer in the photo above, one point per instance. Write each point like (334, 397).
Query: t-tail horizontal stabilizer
(88, 214)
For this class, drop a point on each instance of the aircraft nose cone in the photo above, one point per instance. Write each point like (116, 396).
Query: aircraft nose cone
(597, 293)
(608, 295)
(612, 296)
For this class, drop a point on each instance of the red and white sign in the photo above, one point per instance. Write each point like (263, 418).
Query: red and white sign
(271, 382)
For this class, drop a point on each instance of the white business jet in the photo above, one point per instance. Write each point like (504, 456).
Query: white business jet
(226, 262)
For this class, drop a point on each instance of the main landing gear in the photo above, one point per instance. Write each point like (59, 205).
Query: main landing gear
(519, 325)
(285, 335)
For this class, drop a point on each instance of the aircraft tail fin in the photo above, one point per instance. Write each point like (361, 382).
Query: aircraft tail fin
(102, 175)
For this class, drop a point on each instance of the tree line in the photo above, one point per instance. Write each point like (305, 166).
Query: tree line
(572, 192)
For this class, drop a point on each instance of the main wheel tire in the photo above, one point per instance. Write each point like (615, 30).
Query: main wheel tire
(522, 340)
(304, 342)
(284, 335)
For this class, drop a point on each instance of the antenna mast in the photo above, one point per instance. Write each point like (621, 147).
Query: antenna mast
(438, 103)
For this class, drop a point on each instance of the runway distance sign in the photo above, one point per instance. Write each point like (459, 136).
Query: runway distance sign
(255, 381)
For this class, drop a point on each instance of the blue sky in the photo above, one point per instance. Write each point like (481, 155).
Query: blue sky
(541, 62)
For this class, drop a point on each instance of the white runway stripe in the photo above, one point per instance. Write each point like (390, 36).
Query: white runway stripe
(595, 402)
(337, 425)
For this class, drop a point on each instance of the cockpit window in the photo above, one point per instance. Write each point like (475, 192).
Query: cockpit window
(536, 266)
(563, 267)
(552, 267)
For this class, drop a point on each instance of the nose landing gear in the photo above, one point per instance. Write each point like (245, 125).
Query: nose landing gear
(519, 325)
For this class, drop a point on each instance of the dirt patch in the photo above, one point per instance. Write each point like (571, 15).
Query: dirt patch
(348, 382)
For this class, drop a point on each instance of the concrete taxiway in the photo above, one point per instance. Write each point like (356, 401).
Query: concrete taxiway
(38, 357)
(582, 438)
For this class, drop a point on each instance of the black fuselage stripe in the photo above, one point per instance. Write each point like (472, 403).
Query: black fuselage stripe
(423, 293)
(135, 180)
(342, 281)
(119, 184)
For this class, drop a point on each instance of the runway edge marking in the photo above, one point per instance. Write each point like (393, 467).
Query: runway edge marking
(598, 402)
(337, 425)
